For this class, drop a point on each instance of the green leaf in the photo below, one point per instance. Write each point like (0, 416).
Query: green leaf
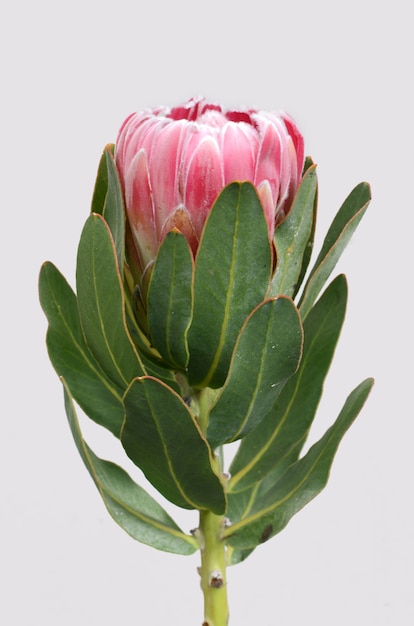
(157, 369)
(278, 440)
(96, 394)
(170, 299)
(299, 485)
(266, 354)
(113, 210)
(101, 183)
(338, 236)
(162, 437)
(128, 504)
(232, 274)
(108, 201)
(237, 556)
(294, 238)
(307, 254)
(101, 304)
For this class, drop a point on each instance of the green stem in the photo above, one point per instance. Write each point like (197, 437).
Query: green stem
(210, 537)
(205, 399)
(213, 569)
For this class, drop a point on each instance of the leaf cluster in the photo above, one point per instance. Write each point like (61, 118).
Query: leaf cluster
(232, 345)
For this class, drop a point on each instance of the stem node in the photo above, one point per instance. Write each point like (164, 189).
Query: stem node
(213, 570)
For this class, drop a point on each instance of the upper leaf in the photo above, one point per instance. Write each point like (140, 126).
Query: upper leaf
(101, 182)
(162, 437)
(113, 209)
(170, 299)
(101, 304)
(294, 238)
(338, 236)
(127, 503)
(232, 274)
(108, 201)
(266, 354)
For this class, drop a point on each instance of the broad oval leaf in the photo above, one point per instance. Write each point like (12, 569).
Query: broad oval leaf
(128, 504)
(162, 437)
(304, 480)
(266, 354)
(232, 274)
(294, 238)
(101, 304)
(278, 440)
(337, 238)
(95, 393)
(170, 299)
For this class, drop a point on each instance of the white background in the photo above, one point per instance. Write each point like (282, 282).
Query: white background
(71, 72)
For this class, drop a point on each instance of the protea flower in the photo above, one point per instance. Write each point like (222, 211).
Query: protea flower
(173, 163)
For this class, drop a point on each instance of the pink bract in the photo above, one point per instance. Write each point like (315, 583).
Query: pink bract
(174, 162)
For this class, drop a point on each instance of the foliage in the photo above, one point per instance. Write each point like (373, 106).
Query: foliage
(232, 345)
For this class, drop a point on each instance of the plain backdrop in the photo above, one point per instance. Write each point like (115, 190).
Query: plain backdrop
(70, 73)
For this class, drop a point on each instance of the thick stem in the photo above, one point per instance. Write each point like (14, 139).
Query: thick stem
(213, 569)
(212, 545)
(206, 398)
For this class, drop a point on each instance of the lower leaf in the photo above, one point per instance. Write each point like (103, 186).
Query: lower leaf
(162, 437)
(299, 485)
(129, 505)
(96, 394)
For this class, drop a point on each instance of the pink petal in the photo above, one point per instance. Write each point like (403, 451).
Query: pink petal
(140, 208)
(203, 180)
(290, 182)
(264, 191)
(142, 137)
(239, 148)
(298, 142)
(164, 159)
(126, 143)
(269, 158)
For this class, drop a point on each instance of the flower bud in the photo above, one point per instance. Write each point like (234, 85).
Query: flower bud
(173, 163)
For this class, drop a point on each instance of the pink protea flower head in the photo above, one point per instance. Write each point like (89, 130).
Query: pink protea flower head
(173, 163)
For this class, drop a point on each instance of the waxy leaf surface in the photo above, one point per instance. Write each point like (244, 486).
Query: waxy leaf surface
(101, 182)
(96, 394)
(232, 274)
(170, 299)
(338, 236)
(162, 437)
(278, 440)
(113, 209)
(294, 238)
(127, 503)
(101, 304)
(266, 354)
(300, 483)
(108, 201)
